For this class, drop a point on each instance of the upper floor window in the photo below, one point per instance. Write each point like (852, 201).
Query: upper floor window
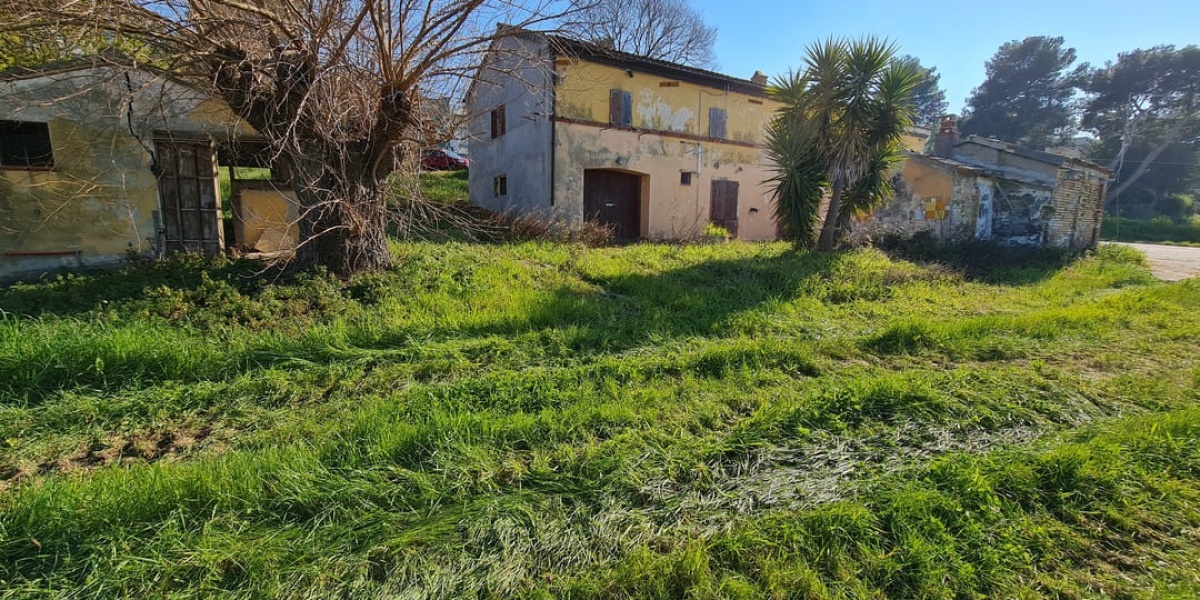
(499, 123)
(620, 108)
(717, 118)
(25, 144)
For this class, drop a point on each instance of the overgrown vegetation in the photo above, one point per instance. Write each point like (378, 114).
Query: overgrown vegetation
(545, 420)
(1158, 229)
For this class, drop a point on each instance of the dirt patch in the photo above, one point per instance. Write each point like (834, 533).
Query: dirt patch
(146, 447)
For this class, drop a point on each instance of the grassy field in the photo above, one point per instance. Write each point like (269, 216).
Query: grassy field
(1160, 230)
(652, 421)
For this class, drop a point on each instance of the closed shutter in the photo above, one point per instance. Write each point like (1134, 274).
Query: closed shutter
(620, 108)
(717, 118)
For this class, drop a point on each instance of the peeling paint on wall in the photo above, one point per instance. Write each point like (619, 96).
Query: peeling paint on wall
(983, 223)
(1025, 203)
(657, 113)
(97, 205)
(666, 137)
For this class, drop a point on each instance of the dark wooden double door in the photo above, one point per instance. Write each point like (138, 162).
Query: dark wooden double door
(191, 213)
(613, 198)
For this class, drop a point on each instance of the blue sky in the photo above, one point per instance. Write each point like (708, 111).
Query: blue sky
(956, 37)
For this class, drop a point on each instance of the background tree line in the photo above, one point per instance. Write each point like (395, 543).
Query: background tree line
(1137, 115)
(335, 87)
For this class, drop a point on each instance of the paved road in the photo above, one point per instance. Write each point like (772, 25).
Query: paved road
(1171, 263)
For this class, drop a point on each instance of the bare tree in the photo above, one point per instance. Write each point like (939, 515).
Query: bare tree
(669, 30)
(334, 86)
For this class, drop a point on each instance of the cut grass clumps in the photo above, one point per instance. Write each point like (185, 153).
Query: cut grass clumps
(536, 419)
(1077, 517)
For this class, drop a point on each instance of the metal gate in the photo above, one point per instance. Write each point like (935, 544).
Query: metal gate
(191, 213)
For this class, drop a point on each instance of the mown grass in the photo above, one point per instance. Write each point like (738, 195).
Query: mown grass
(1159, 229)
(445, 187)
(655, 421)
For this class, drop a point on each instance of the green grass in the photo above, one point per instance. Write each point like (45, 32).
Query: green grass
(1159, 229)
(445, 187)
(653, 421)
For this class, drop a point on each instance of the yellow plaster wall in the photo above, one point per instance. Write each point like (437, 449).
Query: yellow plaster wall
(925, 181)
(98, 200)
(672, 122)
(681, 107)
(669, 210)
(925, 200)
(913, 142)
(266, 219)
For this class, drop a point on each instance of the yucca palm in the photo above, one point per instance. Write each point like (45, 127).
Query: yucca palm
(838, 134)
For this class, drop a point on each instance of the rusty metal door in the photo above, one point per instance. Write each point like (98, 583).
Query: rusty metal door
(191, 214)
(723, 208)
(613, 198)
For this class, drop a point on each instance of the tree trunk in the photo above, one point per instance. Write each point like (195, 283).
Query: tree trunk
(343, 224)
(1141, 170)
(829, 230)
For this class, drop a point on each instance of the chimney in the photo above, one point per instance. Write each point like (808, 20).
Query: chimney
(759, 78)
(947, 136)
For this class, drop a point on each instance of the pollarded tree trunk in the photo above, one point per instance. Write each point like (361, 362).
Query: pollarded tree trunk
(339, 165)
(343, 221)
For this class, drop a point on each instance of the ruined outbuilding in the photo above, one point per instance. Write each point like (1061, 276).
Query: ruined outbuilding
(99, 163)
(569, 131)
(983, 190)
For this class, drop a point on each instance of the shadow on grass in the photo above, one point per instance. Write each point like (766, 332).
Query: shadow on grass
(69, 294)
(621, 311)
(980, 261)
(630, 310)
(599, 311)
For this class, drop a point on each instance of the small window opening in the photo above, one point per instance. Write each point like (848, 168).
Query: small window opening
(25, 144)
(500, 185)
(499, 123)
(685, 178)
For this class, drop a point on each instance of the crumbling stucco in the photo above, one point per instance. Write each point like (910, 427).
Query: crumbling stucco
(98, 202)
(989, 193)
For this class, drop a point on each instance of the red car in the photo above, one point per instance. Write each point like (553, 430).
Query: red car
(444, 160)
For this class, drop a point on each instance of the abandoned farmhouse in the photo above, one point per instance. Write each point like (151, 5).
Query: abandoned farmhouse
(979, 189)
(98, 164)
(572, 131)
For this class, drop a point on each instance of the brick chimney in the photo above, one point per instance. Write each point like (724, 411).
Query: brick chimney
(759, 78)
(947, 137)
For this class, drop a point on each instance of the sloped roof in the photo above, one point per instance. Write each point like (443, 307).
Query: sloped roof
(1038, 155)
(604, 54)
(978, 170)
(103, 60)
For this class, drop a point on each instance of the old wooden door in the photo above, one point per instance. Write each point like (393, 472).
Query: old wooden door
(613, 198)
(723, 209)
(191, 214)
